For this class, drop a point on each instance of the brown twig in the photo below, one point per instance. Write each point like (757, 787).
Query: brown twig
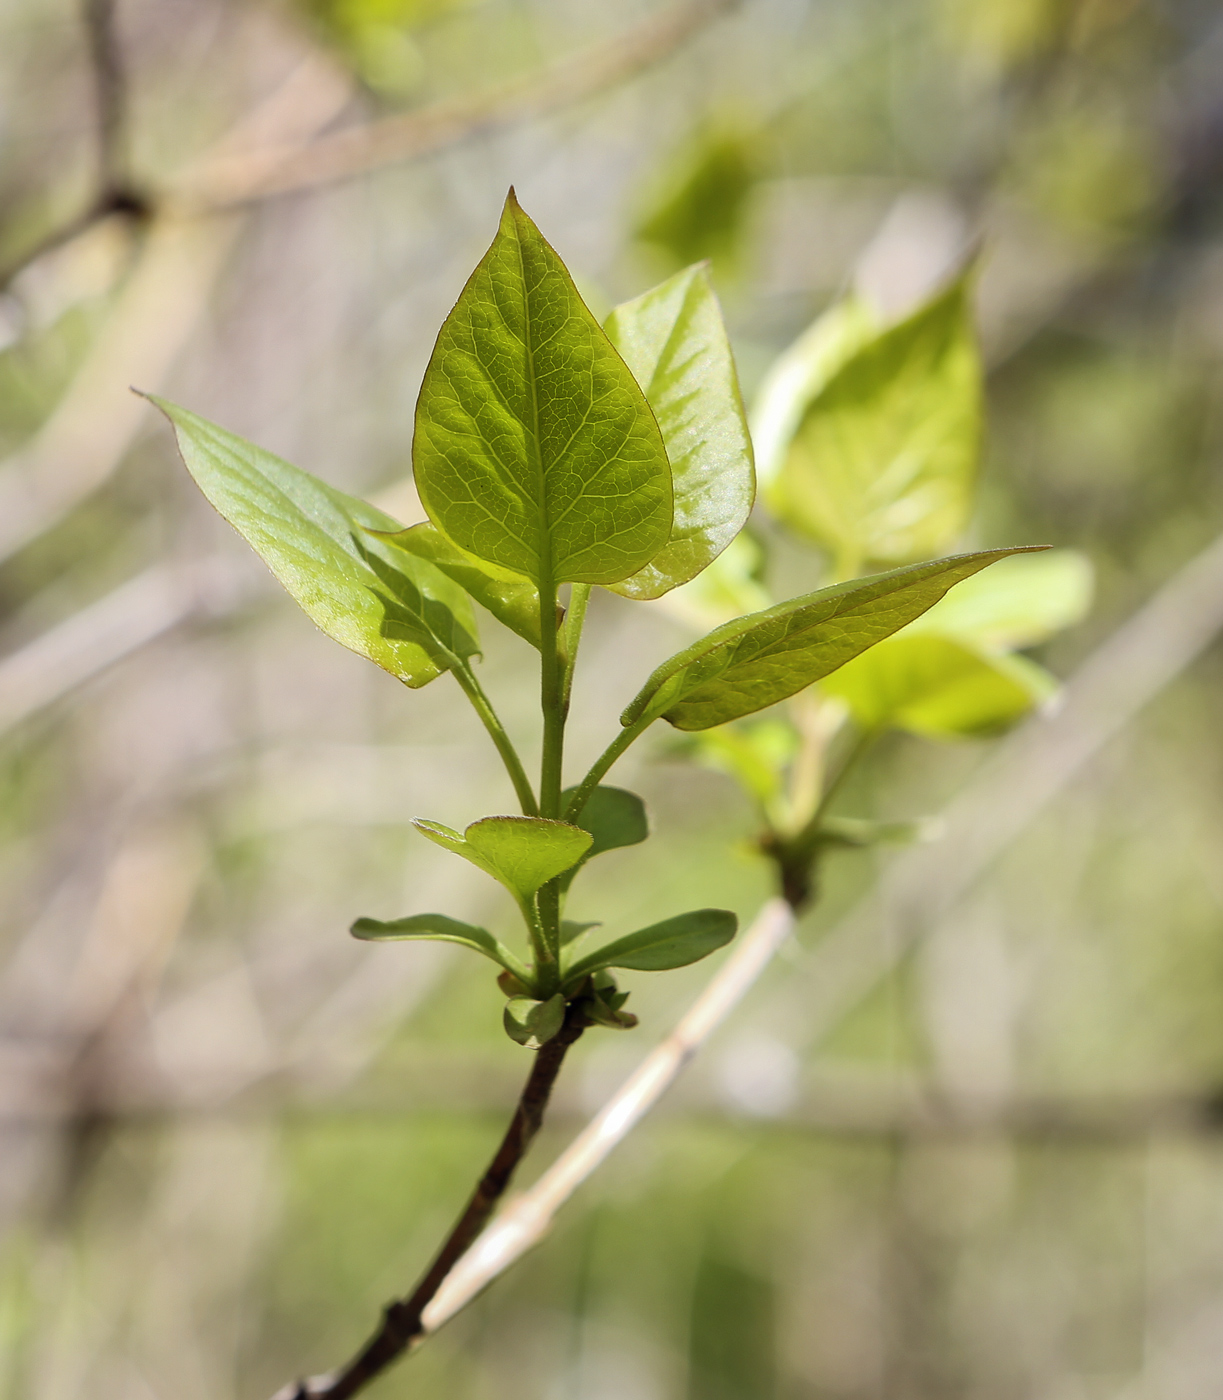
(401, 1320)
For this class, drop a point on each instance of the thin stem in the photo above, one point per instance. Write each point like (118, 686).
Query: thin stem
(509, 755)
(601, 764)
(401, 1325)
(571, 637)
(552, 703)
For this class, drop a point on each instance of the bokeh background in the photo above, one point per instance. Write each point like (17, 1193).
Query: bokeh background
(962, 1141)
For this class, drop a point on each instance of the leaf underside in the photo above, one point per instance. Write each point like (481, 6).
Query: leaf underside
(535, 448)
(398, 611)
(755, 661)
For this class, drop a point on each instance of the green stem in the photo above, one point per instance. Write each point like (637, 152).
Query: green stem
(571, 636)
(601, 764)
(551, 701)
(509, 755)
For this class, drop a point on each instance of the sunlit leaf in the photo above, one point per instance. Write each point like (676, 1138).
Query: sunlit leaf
(521, 852)
(614, 817)
(673, 943)
(757, 660)
(728, 588)
(799, 373)
(535, 448)
(533, 1023)
(938, 686)
(1017, 603)
(441, 929)
(512, 599)
(674, 341)
(882, 462)
(397, 610)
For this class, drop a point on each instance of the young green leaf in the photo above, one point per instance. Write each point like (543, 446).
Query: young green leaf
(441, 929)
(673, 943)
(398, 611)
(535, 448)
(614, 817)
(1017, 603)
(521, 852)
(532, 1023)
(940, 687)
(799, 373)
(757, 660)
(571, 930)
(674, 341)
(882, 462)
(512, 599)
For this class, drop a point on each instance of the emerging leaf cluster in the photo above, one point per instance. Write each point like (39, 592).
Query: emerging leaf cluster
(551, 451)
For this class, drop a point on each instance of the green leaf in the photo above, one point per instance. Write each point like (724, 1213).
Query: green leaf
(441, 929)
(535, 448)
(512, 599)
(383, 604)
(728, 588)
(673, 943)
(940, 687)
(571, 930)
(1018, 603)
(882, 463)
(533, 1023)
(674, 341)
(614, 817)
(757, 660)
(521, 852)
(799, 373)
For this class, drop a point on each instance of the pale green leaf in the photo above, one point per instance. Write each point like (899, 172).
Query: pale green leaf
(799, 373)
(674, 341)
(572, 930)
(397, 610)
(535, 448)
(673, 943)
(441, 929)
(1018, 603)
(512, 599)
(521, 852)
(757, 660)
(533, 1023)
(882, 463)
(938, 686)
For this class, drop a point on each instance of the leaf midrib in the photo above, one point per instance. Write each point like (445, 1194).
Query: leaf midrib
(547, 583)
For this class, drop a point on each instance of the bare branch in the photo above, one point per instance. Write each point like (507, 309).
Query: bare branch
(245, 177)
(527, 1219)
(401, 1322)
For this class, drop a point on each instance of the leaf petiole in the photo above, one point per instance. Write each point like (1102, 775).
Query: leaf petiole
(509, 755)
(571, 636)
(610, 754)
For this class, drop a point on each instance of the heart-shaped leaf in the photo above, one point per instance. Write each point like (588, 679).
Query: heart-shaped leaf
(673, 943)
(535, 448)
(533, 1023)
(441, 929)
(940, 687)
(521, 852)
(674, 341)
(757, 660)
(512, 599)
(386, 605)
(882, 462)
